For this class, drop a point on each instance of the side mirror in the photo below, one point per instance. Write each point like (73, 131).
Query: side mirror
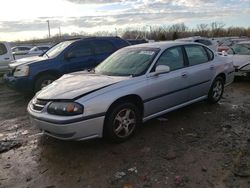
(161, 69)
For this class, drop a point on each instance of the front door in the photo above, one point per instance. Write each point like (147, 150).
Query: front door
(79, 57)
(167, 90)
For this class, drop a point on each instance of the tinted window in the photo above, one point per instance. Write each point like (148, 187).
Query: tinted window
(241, 49)
(81, 50)
(210, 54)
(24, 48)
(173, 58)
(3, 49)
(205, 42)
(43, 48)
(196, 55)
(102, 47)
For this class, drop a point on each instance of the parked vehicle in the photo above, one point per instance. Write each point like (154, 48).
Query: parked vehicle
(20, 50)
(202, 40)
(137, 41)
(33, 73)
(38, 50)
(133, 85)
(5, 56)
(226, 44)
(241, 58)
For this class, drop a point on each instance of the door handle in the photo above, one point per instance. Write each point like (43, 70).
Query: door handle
(7, 58)
(184, 74)
(211, 67)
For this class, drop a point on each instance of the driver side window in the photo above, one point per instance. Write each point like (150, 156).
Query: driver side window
(173, 58)
(81, 50)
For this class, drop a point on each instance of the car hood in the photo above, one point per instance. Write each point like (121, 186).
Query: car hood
(73, 85)
(27, 60)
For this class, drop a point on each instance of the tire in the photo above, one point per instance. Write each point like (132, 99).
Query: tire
(121, 122)
(43, 81)
(216, 90)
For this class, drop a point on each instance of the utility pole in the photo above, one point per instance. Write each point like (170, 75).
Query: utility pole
(48, 28)
(60, 33)
(116, 32)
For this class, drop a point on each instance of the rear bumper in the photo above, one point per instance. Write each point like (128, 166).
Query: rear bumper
(22, 84)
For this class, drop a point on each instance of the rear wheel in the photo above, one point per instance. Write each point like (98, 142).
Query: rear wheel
(43, 81)
(216, 90)
(121, 122)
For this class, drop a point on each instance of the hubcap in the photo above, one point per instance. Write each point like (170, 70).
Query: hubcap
(217, 90)
(124, 123)
(45, 83)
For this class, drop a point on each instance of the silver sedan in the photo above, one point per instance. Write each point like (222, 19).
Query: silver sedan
(133, 85)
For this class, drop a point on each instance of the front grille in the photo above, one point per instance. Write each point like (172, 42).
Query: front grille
(38, 104)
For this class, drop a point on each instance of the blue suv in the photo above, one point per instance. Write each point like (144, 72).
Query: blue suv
(33, 73)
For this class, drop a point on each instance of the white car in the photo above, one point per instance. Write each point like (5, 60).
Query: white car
(20, 50)
(202, 40)
(5, 56)
(38, 50)
(241, 58)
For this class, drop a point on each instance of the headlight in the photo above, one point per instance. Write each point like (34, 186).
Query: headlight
(65, 108)
(246, 68)
(22, 70)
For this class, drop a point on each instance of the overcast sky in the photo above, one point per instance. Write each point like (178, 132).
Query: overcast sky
(25, 19)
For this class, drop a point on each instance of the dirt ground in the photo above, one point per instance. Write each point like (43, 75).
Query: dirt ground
(198, 146)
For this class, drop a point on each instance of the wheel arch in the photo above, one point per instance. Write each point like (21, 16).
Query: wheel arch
(222, 75)
(47, 72)
(133, 98)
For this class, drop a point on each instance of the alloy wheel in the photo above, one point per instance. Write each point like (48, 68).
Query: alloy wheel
(124, 123)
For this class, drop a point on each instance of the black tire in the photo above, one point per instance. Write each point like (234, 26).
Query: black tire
(41, 81)
(114, 128)
(216, 90)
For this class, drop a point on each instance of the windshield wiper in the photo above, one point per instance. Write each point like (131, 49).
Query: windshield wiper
(46, 54)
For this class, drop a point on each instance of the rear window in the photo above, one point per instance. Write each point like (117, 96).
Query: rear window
(3, 49)
(43, 48)
(205, 42)
(24, 48)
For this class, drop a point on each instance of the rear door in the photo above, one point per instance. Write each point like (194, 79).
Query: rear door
(169, 89)
(79, 57)
(102, 49)
(201, 70)
(5, 57)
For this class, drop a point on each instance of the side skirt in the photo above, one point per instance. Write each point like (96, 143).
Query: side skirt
(173, 108)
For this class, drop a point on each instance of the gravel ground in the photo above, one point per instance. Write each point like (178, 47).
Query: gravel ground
(198, 146)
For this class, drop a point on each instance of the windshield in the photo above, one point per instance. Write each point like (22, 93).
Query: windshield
(241, 49)
(57, 49)
(127, 62)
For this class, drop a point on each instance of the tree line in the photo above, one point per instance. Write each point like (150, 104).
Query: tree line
(158, 33)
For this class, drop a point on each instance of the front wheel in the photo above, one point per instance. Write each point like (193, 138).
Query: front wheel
(121, 122)
(43, 81)
(216, 90)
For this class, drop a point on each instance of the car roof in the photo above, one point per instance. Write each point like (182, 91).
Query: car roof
(162, 45)
(244, 42)
(192, 38)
